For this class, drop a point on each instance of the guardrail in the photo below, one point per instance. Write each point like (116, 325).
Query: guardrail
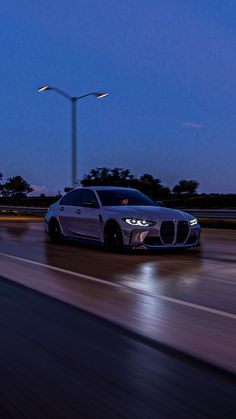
(22, 210)
(217, 214)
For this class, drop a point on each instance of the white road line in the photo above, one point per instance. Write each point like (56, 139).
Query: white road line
(185, 303)
(126, 288)
(64, 271)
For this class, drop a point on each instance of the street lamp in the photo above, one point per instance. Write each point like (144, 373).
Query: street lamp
(73, 99)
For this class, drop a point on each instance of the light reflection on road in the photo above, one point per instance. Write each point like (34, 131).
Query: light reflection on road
(156, 277)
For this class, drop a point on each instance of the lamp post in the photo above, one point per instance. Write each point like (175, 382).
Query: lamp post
(73, 100)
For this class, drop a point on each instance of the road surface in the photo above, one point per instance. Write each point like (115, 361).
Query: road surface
(185, 300)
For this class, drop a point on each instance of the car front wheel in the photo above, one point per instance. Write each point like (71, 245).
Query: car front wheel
(113, 239)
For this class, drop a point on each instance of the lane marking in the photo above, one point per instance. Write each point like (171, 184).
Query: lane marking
(126, 288)
(185, 303)
(65, 271)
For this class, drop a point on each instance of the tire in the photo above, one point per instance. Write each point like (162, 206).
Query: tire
(113, 239)
(54, 232)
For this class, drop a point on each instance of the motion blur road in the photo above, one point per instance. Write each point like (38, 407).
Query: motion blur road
(59, 362)
(185, 300)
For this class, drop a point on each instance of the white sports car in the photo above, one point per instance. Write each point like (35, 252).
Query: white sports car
(119, 217)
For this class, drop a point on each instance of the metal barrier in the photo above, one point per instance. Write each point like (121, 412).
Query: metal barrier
(22, 210)
(217, 214)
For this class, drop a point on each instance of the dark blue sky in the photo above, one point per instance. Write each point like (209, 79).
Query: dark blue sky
(170, 68)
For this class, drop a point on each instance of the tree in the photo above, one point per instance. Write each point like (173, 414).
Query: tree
(16, 187)
(122, 177)
(102, 176)
(152, 187)
(186, 187)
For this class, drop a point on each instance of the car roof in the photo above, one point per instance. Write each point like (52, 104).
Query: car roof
(106, 188)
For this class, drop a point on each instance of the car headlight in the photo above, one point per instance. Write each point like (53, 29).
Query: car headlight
(193, 222)
(138, 222)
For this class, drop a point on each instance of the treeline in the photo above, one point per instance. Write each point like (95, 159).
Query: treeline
(146, 183)
(15, 187)
(183, 195)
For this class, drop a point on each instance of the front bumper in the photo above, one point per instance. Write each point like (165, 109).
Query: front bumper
(153, 239)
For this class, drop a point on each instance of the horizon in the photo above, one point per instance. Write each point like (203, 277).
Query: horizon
(37, 192)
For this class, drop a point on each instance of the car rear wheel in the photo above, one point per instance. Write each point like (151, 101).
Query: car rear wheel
(113, 239)
(54, 232)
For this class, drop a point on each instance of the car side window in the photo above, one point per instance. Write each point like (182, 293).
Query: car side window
(72, 198)
(89, 199)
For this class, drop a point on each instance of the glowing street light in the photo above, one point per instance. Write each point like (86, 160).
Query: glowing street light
(101, 95)
(42, 88)
(73, 99)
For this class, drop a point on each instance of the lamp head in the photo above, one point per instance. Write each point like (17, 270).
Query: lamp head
(42, 88)
(101, 95)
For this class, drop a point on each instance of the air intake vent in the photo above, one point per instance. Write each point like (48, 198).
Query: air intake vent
(167, 232)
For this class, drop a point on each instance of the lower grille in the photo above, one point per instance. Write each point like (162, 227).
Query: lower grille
(182, 232)
(153, 241)
(167, 232)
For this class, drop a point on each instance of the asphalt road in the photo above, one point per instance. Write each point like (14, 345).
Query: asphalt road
(186, 300)
(60, 362)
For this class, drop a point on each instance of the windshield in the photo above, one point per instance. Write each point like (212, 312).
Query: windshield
(121, 197)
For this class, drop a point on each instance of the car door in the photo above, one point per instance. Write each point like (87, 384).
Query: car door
(89, 216)
(69, 210)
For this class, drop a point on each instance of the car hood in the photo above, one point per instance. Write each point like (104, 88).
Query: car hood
(148, 213)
